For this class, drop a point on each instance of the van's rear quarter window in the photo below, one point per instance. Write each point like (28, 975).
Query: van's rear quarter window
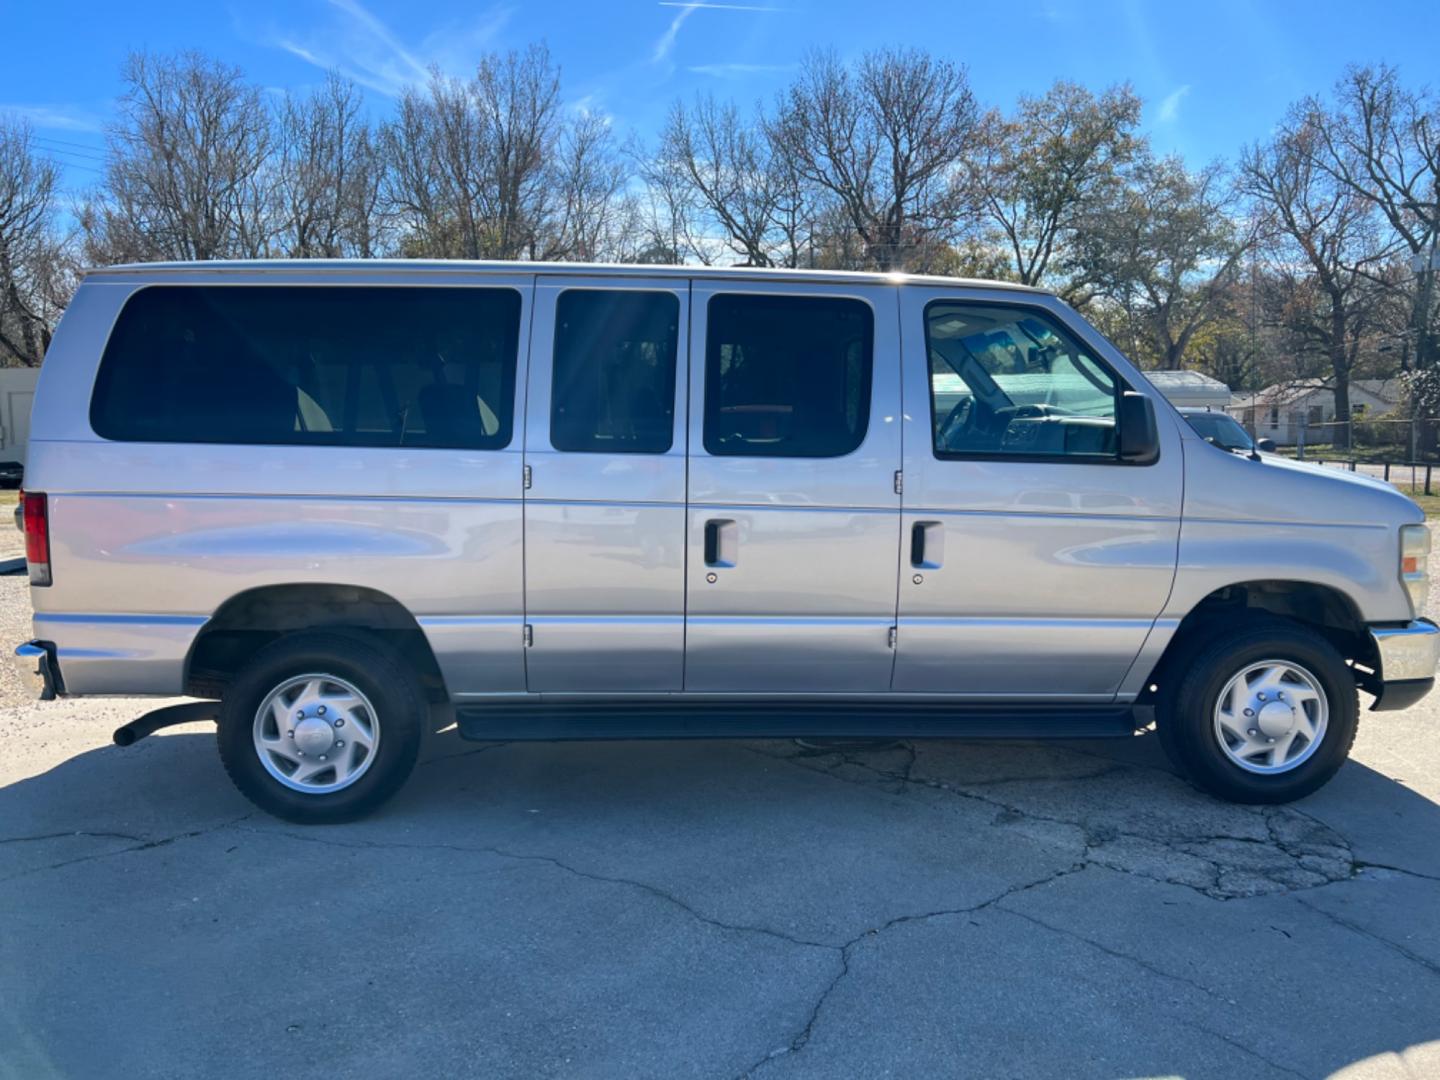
(312, 365)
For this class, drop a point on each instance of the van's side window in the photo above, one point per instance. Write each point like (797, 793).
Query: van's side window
(787, 376)
(1007, 381)
(311, 365)
(613, 384)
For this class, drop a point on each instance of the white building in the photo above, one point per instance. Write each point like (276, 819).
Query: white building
(17, 391)
(1303, 411)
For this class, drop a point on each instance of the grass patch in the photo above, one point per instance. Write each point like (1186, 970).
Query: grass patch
(1377, 455)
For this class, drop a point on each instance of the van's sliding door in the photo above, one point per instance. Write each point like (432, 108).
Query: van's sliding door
(605, 506)
(793, 532)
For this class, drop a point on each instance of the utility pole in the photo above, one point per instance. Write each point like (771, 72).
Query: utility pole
(1426, 266)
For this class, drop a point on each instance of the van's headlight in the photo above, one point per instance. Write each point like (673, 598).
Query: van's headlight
(1415, 564)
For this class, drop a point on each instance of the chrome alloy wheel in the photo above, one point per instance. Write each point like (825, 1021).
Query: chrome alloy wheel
(1271, 717)
(316, 733)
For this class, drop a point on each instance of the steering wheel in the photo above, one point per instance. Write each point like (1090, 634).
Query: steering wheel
(957, 420)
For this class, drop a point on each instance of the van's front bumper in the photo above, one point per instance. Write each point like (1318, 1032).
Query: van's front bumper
(1408, 656)
(38, 671)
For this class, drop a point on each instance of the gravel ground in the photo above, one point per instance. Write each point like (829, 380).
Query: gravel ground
(672, 909)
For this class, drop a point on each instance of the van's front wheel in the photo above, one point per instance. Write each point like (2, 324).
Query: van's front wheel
(321, 727)
(1264, 715)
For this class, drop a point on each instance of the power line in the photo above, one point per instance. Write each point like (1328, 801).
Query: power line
(75, 165)
(59, 146)
(67, 142)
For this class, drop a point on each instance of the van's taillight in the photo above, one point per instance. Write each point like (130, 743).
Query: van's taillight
(37, 536)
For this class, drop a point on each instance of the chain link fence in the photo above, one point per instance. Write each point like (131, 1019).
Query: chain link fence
(1405, 439)
(1404, 452)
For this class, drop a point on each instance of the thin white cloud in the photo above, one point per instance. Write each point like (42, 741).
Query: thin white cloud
(666, 41)
(1170, 106)
(369, 25)
(738, 71)
(718, 7)
(685, 8)
(362, 47)
(55, 117)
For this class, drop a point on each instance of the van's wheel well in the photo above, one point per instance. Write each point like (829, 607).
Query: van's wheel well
(251, 620)
(1327, 611)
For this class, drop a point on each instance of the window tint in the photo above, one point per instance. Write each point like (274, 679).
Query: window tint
(787, 376)
(1220, 429)
(311, 365)
(613, 387)
(1008, 381)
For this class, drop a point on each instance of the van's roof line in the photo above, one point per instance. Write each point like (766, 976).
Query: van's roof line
(442, 266)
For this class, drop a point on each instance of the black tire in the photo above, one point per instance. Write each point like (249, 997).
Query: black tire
(389, 683)
(1185, 718)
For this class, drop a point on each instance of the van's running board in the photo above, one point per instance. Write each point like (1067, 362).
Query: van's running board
(762, 719)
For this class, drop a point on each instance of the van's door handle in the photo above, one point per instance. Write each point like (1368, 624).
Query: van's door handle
(720, 542)
(712, 542)
(927, 545)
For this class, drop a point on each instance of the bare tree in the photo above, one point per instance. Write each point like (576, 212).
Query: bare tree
(587, 217)
(34, 285)
(187, 175)
(1164, 249)
(669, 209)
(519, 101)
(1039, 175)
(1325, 250)
(886, 141)
(747, 190)
(1381, 141)
(328, 175)
(471, 162)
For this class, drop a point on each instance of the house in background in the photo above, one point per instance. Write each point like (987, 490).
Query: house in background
(1190, 389)
(17, 391)
(1303, 412)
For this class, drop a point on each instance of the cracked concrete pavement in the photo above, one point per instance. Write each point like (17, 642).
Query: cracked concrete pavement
(724, 909)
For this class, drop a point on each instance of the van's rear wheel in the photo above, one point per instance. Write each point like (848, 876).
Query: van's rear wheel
(1264, 715)
(320, 727)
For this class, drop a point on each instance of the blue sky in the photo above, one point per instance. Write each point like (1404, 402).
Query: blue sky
(1214, 75)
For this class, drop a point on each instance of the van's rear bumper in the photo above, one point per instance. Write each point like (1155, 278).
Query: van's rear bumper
(35, 664)
(1408, 656)
(118, 654)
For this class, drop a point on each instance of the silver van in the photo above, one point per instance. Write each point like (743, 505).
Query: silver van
(597, 502)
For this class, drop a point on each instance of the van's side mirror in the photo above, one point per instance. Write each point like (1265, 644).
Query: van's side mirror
(1268, 445)
(1139, 435)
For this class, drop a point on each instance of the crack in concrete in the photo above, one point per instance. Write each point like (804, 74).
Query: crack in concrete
(462, 754)
(1298, 811)
(72, 834)
(803, 1036)
(1230, 1041)
(842, 950)
(1160, 972)
(1362, 864)
(1118, 955)
(502, 853)
(143, 845)
(1223, 864)
(1355, 928)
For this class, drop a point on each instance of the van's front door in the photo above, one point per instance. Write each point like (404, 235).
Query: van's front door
(793, 517)
(605, 506)
(1036, 560)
